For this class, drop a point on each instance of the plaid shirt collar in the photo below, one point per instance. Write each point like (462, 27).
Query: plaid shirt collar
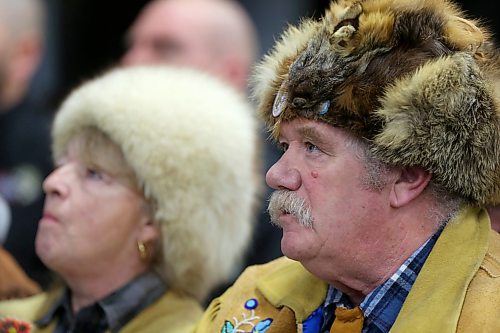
(118, 308)
(382, 305)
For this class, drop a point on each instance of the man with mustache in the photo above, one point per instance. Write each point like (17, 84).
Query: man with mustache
(388, 117)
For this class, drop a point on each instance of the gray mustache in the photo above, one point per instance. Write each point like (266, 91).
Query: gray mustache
(283, 201)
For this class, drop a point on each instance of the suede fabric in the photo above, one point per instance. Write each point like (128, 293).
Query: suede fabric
(453, 273)
(486, 300)
(14, 283)
(347, 321)
(456, 291)
(172, 313)
(262, 292)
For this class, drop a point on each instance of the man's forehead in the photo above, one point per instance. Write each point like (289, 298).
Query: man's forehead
(309, 129)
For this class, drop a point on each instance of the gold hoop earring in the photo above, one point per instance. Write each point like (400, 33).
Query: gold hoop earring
(143, 253)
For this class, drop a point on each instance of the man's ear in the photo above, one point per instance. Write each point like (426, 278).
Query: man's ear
(410, 183)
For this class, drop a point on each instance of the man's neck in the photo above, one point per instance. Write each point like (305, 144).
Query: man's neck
(361, 273)
(494, 213)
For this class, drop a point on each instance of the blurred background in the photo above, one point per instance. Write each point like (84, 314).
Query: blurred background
(87, 36)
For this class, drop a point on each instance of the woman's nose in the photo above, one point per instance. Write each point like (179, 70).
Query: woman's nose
(55, 182)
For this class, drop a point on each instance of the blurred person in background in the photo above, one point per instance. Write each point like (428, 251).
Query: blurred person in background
(14, 283)
(151, 203)
(216, 36)
(219, 37)
(24, 130)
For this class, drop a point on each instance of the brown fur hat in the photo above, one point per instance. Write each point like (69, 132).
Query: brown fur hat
(415, 77)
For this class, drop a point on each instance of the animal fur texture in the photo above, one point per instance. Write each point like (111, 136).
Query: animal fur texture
(415, 77)
(193, 144)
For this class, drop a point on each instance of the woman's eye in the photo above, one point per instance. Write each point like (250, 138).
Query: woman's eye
(94, 174)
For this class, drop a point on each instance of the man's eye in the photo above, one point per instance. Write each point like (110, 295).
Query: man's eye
(311, 147)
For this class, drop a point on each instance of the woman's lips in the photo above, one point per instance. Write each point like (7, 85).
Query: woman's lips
(48, 218)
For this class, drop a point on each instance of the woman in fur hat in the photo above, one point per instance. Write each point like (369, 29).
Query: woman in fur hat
(150, 205)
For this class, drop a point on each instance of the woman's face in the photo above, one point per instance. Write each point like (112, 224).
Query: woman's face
(92, 220)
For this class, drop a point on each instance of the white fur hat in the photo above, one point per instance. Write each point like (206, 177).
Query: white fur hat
(193, 144)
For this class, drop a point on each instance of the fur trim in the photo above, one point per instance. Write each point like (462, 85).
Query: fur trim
(193, 143)
(415, 77)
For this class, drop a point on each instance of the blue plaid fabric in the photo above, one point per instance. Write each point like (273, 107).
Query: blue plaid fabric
(382, 305)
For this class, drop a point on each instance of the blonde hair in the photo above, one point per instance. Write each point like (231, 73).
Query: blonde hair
(97, 150)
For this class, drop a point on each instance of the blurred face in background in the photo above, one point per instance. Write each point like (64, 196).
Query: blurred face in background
(94, 214)
(21, 43)
(217, 37)
(3, 60)
(166, 33)
(2, 79)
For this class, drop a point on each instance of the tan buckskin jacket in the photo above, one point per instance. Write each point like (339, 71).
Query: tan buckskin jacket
(172, 313)
(14, 283)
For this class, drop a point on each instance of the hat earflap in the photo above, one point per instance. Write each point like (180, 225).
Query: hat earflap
(443, 118)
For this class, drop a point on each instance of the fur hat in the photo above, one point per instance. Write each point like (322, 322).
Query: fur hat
(193, 144)
(414, 77)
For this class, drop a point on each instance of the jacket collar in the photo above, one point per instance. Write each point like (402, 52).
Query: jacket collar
(435, 300)
(293, 286)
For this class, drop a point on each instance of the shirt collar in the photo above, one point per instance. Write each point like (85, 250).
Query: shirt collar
(54, 309)
(120, 306)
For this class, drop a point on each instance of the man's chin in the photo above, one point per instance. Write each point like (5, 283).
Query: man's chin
(290, 246)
